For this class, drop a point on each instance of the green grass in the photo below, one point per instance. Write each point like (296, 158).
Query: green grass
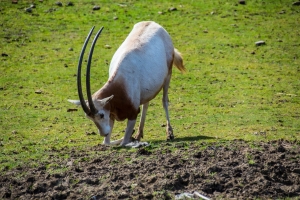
(232, 90)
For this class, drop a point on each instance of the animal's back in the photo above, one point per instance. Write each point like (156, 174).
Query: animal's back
(143, 60)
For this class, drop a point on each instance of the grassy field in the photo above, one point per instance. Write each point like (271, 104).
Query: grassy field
(233, 89)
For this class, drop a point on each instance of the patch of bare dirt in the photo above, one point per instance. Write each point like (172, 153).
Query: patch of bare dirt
(230, 170)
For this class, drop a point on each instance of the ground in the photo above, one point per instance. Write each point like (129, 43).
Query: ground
(235, 169)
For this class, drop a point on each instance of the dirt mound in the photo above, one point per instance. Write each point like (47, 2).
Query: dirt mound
(232, 169)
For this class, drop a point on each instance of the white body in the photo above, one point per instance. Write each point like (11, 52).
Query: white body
(143, 60)
(139, 69)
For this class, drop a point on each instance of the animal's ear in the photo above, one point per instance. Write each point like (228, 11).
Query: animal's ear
(76, 102)
(106, 100)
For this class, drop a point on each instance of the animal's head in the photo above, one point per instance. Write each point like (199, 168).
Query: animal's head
(100, 116)
(96, 110)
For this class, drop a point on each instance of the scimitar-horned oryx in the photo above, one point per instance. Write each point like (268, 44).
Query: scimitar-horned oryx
(139, 69)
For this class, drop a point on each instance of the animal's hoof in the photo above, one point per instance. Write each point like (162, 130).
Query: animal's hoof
(170, 137)
(138, 137)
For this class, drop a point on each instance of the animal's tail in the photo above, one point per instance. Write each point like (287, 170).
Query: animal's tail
(177, 61)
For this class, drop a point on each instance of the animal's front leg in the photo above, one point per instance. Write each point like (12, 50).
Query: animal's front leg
(107, 141)
(128, 132)
(140, 133)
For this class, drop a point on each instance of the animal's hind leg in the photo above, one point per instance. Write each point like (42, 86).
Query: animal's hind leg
(165, 102)
(140, 133)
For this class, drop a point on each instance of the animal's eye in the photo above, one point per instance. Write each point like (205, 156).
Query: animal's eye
(101, 115)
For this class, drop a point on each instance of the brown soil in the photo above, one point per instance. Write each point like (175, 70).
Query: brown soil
(232, 170)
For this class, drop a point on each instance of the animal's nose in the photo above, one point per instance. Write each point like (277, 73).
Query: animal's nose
(102, 134)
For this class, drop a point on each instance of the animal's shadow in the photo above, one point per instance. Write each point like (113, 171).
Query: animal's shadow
(183, 139)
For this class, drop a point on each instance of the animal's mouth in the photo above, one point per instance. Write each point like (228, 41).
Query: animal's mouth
(102, 134)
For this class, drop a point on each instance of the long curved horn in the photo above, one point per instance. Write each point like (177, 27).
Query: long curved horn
(88, 72)
(79, 88)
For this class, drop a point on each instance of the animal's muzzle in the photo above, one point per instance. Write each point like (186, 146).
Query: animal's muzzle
(103, 133)
(103, 130)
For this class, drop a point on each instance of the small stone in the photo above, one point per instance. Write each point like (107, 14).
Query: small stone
(172, 9)
(297, 3)
(160, 12)
(32, 6)
(71, 49)
(29, 10)
(70, 4)
(96, 8)
(58, 3)
(14, 1)
(38, 91)
(71, 109)
(122, 5)
(242, 2)
(205, 31)
(115, 18)
(107, 46)
(260, 43)
(14, 132)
